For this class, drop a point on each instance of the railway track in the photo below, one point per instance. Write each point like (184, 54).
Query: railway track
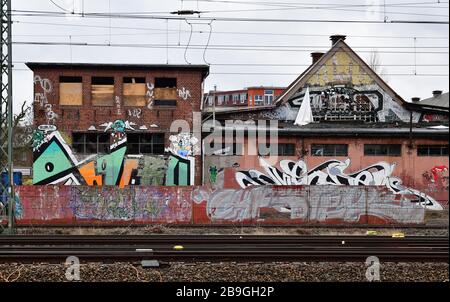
(222, 248)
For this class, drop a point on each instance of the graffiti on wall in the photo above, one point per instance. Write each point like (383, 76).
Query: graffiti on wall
(46, 87)
(313, 204)
(332, 173)
(136, 113)
(204, 205)
(437, 178)
(150, 94)
(181, 167)
(184, 93)
(340, 102)
(55, 163)
(118, 105)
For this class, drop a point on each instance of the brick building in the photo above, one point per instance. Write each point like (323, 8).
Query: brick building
(249, 97)
(79, 109)
(362, 133)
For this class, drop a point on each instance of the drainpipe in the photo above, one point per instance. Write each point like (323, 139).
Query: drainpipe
(410, 130)
(203, 161)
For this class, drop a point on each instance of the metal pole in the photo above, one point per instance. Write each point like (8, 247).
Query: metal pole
(12, 195)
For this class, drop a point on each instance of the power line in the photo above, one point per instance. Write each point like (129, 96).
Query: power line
(296, 74)
(316, 47)
(230, 19)
(60, 7)
(223, 32)
(412, 5)
(202, 47)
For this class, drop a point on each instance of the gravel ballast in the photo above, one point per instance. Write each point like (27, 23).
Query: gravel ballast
(228, 272)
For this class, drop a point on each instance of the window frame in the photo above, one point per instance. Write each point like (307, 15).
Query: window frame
(335, 152)
(388, 146)
(429, 147)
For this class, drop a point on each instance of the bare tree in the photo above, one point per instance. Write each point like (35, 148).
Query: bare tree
(376, 65)
(22, 133)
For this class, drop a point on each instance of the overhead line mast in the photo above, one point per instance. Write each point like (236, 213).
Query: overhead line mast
(6, 118)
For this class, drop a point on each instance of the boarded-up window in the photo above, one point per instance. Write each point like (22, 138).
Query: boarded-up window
(71, 91)
(165, 89)
(134, 90)
(102, 91)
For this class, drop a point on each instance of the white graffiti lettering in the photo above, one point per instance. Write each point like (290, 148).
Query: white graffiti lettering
(184, 93)
(150, 95)
(332, 173)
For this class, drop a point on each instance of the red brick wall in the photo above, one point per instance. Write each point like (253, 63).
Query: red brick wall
(80, 118)
(410, 168)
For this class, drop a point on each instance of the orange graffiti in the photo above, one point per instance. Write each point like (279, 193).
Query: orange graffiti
(88, 173)
(130, 165)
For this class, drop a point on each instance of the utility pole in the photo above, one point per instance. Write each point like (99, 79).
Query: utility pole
(6, 115)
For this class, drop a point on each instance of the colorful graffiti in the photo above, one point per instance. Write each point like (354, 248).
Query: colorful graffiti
(213, 174)
(62, 205)
(55, 163)
(181, 167)
(437, 178)
(332, 173)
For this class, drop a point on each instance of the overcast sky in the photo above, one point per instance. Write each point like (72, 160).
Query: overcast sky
(305, 37)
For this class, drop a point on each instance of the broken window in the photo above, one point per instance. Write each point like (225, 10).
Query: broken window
(329, 150)
(146, 143)
(102, 91)
(165, 90)
(134, 92)
(91, 143)
(71, 91)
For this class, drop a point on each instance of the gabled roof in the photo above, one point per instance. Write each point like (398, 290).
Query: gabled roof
(300, 82)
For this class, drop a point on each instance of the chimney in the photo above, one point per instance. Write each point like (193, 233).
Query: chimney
(316, 56)
(415, 100)
(336, 38)
(437, 93)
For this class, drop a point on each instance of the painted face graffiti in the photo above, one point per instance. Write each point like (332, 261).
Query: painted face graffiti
(332, 173)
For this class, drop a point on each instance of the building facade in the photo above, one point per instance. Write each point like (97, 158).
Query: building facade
(249, 97)
(362, 134)
(107, 124)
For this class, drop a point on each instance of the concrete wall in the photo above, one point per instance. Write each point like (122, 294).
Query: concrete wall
(66, 205)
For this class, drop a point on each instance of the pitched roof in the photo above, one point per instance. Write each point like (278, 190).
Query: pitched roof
(300, 82)
(437, 101)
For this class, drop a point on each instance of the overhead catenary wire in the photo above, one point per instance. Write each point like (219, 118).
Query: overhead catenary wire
(219, 32)
(228, 19)
(211, 47)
